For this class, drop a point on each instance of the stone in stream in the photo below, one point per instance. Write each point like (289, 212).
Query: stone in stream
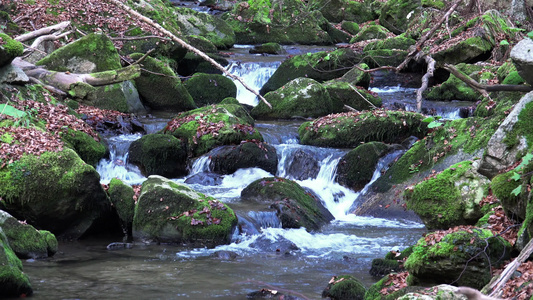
(249, 154)
(205, 178)
(14, 282)
(344, 287)
(303, 166)
(168, 212)
(224, 255)
(295, 206)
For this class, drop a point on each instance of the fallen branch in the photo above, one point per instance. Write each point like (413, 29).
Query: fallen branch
(65, 81)
(186, 46)
(496, 284)
(425, 81)
(39, 40)
(484, 89)
(43, 31)
(418, 46)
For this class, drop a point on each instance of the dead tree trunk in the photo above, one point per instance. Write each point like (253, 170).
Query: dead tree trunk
(63, 82)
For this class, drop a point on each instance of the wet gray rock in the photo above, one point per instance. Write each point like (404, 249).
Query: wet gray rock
(522, 57)
(303, 166)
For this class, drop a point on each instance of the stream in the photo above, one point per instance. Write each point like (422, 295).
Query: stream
(287, 260)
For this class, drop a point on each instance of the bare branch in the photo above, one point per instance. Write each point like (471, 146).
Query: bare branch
(425, 81)
(43, 31)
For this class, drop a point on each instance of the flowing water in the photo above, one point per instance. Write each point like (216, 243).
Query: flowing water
(288, 260)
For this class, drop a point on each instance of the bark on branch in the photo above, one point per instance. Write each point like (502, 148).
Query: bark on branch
(65, 81)
(43, 31)
(418, 46)
(158, 27)
(425, 81)
(496, 284)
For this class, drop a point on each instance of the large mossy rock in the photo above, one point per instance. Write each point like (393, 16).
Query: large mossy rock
(463, 256)
(510, 140)
(523, 59)
(25, 240)
(300, 98)
(344, 287)
(283, 22)
(122, 96)
(208, 127)
(250, 154)
(356, 76)
(159, 154)
(394, 14)
(92, 53)
(503, 185)
(55, 191)
(320, 66)
(195, 23)
(456, 89)
(192, 64)
(162, 92)
(90, 150)
(371, 32)
(401, 42)
(295, 207)
(14, 283)
(449, 199)
(355, 97)
(121, 197)
(468, 51)
(210, 88)
(356, 168)
(349, 130)
(168, 212)
(336, 11)
(9, 49)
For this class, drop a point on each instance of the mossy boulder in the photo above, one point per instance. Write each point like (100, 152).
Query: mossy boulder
(394, 14)
(90, 150)
(320, 66)
(25, 240)
(349, 130)
(344, 287)
(168, 212)
(463, 256)
(294, 206)
(9, 49)
(267, 48)
(502, 186)
(287, 22)
(356, 168)
(92, 53)
(162, 92)
(355, 97)
(466, 51)
(400, 42)
(122, 97)
(14, 282)
(56, 191)
(337, 11)
(371, 32)
(300, 98)
(512, 138)
(455, 89)
(210, 88)
(356, 76)
(208, 127)
(249, 154)
(374, 291)
(449, 199)
(159, 154)
(523, 59)
(121, 197)
(192, 63)
(202, 44)
(391, 263)
(216, 30)
(384, 57)
(350, 27)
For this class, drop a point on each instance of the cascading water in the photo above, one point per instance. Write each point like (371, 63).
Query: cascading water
(117, 165)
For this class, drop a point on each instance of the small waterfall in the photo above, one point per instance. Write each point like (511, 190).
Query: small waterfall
(255, 75)
(265, 219)
(116, 166)
(201, 164)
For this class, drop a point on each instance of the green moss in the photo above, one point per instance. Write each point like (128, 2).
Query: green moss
(85, 145)
(438, 4)
(208, 89)
(121, 196)
(522, 128)
(345, 287)
(439, 196)
(355, 97)
(348, 130)
(14, 282)
(394, 14)
(233, 125)
(96, 48)
(356, 168)
(513, 78)
(370, 32)
(458, 253)
(12, 47)
(27, 242)
(399, 42)
(350, 27)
